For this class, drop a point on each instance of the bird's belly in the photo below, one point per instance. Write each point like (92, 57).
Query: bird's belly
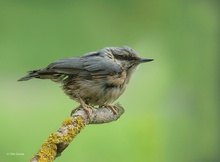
(97, 93)
(94, 92)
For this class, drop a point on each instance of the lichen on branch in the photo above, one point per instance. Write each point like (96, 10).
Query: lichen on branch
(59, 140)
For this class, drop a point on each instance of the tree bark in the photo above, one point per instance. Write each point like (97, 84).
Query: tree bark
(58, 141)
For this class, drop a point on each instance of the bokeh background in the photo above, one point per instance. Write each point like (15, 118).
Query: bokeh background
(172, 104)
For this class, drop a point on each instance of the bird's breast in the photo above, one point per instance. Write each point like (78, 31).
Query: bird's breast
(116, 80)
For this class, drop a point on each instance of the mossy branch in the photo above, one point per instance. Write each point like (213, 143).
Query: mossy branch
(59, 140)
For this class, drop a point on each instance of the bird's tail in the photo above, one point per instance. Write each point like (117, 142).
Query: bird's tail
(31, 74)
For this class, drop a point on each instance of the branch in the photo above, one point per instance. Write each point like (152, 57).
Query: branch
(58, 141)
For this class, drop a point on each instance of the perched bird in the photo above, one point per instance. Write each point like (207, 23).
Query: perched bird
(98, 78)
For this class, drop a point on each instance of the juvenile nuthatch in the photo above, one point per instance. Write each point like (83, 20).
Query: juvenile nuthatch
(98, 78)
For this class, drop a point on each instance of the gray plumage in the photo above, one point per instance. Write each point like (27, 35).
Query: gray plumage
(98, 77)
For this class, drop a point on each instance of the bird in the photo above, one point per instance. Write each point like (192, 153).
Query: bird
(96, 78)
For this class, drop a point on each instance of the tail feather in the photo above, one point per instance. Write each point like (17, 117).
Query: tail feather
(31, 74)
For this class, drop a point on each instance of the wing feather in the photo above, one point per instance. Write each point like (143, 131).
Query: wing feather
(101, 66)
(90, 64)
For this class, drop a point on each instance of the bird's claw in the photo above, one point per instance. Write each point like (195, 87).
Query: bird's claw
(113, 108)
(88, 109)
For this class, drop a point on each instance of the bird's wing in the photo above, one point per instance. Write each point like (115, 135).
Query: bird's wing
(90, 64)
(98, 65)
(71, 65)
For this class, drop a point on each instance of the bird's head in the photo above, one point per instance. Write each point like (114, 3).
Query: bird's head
(126, 57)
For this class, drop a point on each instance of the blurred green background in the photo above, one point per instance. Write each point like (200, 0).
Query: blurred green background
(172, 104)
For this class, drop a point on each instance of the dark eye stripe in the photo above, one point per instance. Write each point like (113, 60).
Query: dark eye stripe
(120, 57)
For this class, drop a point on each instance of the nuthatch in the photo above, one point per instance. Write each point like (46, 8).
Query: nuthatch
(98, 78)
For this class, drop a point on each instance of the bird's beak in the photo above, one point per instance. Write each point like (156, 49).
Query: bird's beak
(142, 60)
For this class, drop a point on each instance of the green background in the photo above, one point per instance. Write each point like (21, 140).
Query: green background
(172, 104)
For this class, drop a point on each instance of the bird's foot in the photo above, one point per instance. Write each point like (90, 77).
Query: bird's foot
(113, 108)
(88, 109)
